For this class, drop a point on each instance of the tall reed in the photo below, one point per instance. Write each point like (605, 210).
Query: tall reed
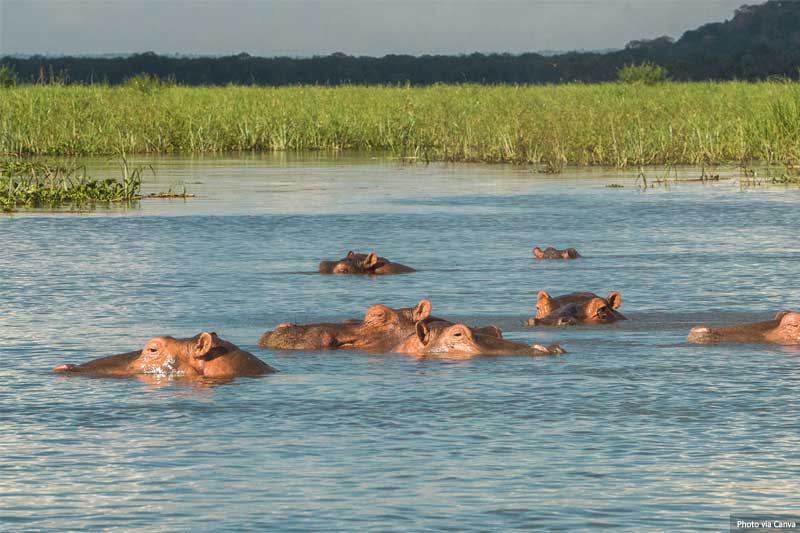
(610, 124)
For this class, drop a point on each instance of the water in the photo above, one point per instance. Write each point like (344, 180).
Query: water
(634, 428)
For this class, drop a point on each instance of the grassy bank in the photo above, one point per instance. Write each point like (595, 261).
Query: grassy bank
(611, 124)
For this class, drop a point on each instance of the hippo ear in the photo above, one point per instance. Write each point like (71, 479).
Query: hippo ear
(371, 260)
(538, 253)
(543, 304)
(421, 311)
(203, 345)
(614, 299)
(423, 333)
(780, 315)
(350, 254)
(491, 330)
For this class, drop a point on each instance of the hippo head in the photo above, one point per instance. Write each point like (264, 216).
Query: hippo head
(384, 327)
(381, 329)
(353, 263)
(552, 253)
(204, 355)
(458, 340)
(783, 329)
(380, 316)
(788, 329)
(576, 308)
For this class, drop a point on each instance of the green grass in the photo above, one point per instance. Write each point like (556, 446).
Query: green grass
(611, 124)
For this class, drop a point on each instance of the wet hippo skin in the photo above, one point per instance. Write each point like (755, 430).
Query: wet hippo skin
(553, 253)
(783, 329)
(368, 264)
(381, 329)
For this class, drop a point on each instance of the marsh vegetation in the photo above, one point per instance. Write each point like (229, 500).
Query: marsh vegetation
(26, 183)
(614, 124)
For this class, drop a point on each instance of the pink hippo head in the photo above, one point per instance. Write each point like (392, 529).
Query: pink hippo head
(204, 355)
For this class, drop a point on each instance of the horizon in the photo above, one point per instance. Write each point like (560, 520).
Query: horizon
(355, 28)
(178, 55)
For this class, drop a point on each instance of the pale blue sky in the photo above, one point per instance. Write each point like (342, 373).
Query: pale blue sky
(361, 27)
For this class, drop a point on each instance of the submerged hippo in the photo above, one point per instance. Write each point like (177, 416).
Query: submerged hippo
(204, 355)
(576, 308)
(783, 329)
(461, 341)
(552, 253)
(355, 263)
(381, 329)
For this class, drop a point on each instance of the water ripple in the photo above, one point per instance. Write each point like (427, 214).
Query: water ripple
(633, 429)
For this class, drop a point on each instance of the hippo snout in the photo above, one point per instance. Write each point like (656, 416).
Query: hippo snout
(700, 334)
(554, 349)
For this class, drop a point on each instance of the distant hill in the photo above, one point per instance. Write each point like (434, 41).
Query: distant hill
(758, 42)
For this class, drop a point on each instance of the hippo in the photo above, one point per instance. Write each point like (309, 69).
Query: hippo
(204, 355)
(576, 308)
(381, 329)
(552, 253)
(460, 341)
(783, 329)
(370, 264)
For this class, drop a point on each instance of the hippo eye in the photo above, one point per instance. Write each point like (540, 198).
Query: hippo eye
(152, 349)
(457, 334)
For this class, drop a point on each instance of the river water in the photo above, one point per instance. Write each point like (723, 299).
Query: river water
(633, 428)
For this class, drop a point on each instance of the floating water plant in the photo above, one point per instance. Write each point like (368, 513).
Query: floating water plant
(26, 183)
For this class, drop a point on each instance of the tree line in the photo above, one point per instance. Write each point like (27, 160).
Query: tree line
(758, 42)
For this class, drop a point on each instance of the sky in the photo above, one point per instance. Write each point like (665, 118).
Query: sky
(356, 27)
